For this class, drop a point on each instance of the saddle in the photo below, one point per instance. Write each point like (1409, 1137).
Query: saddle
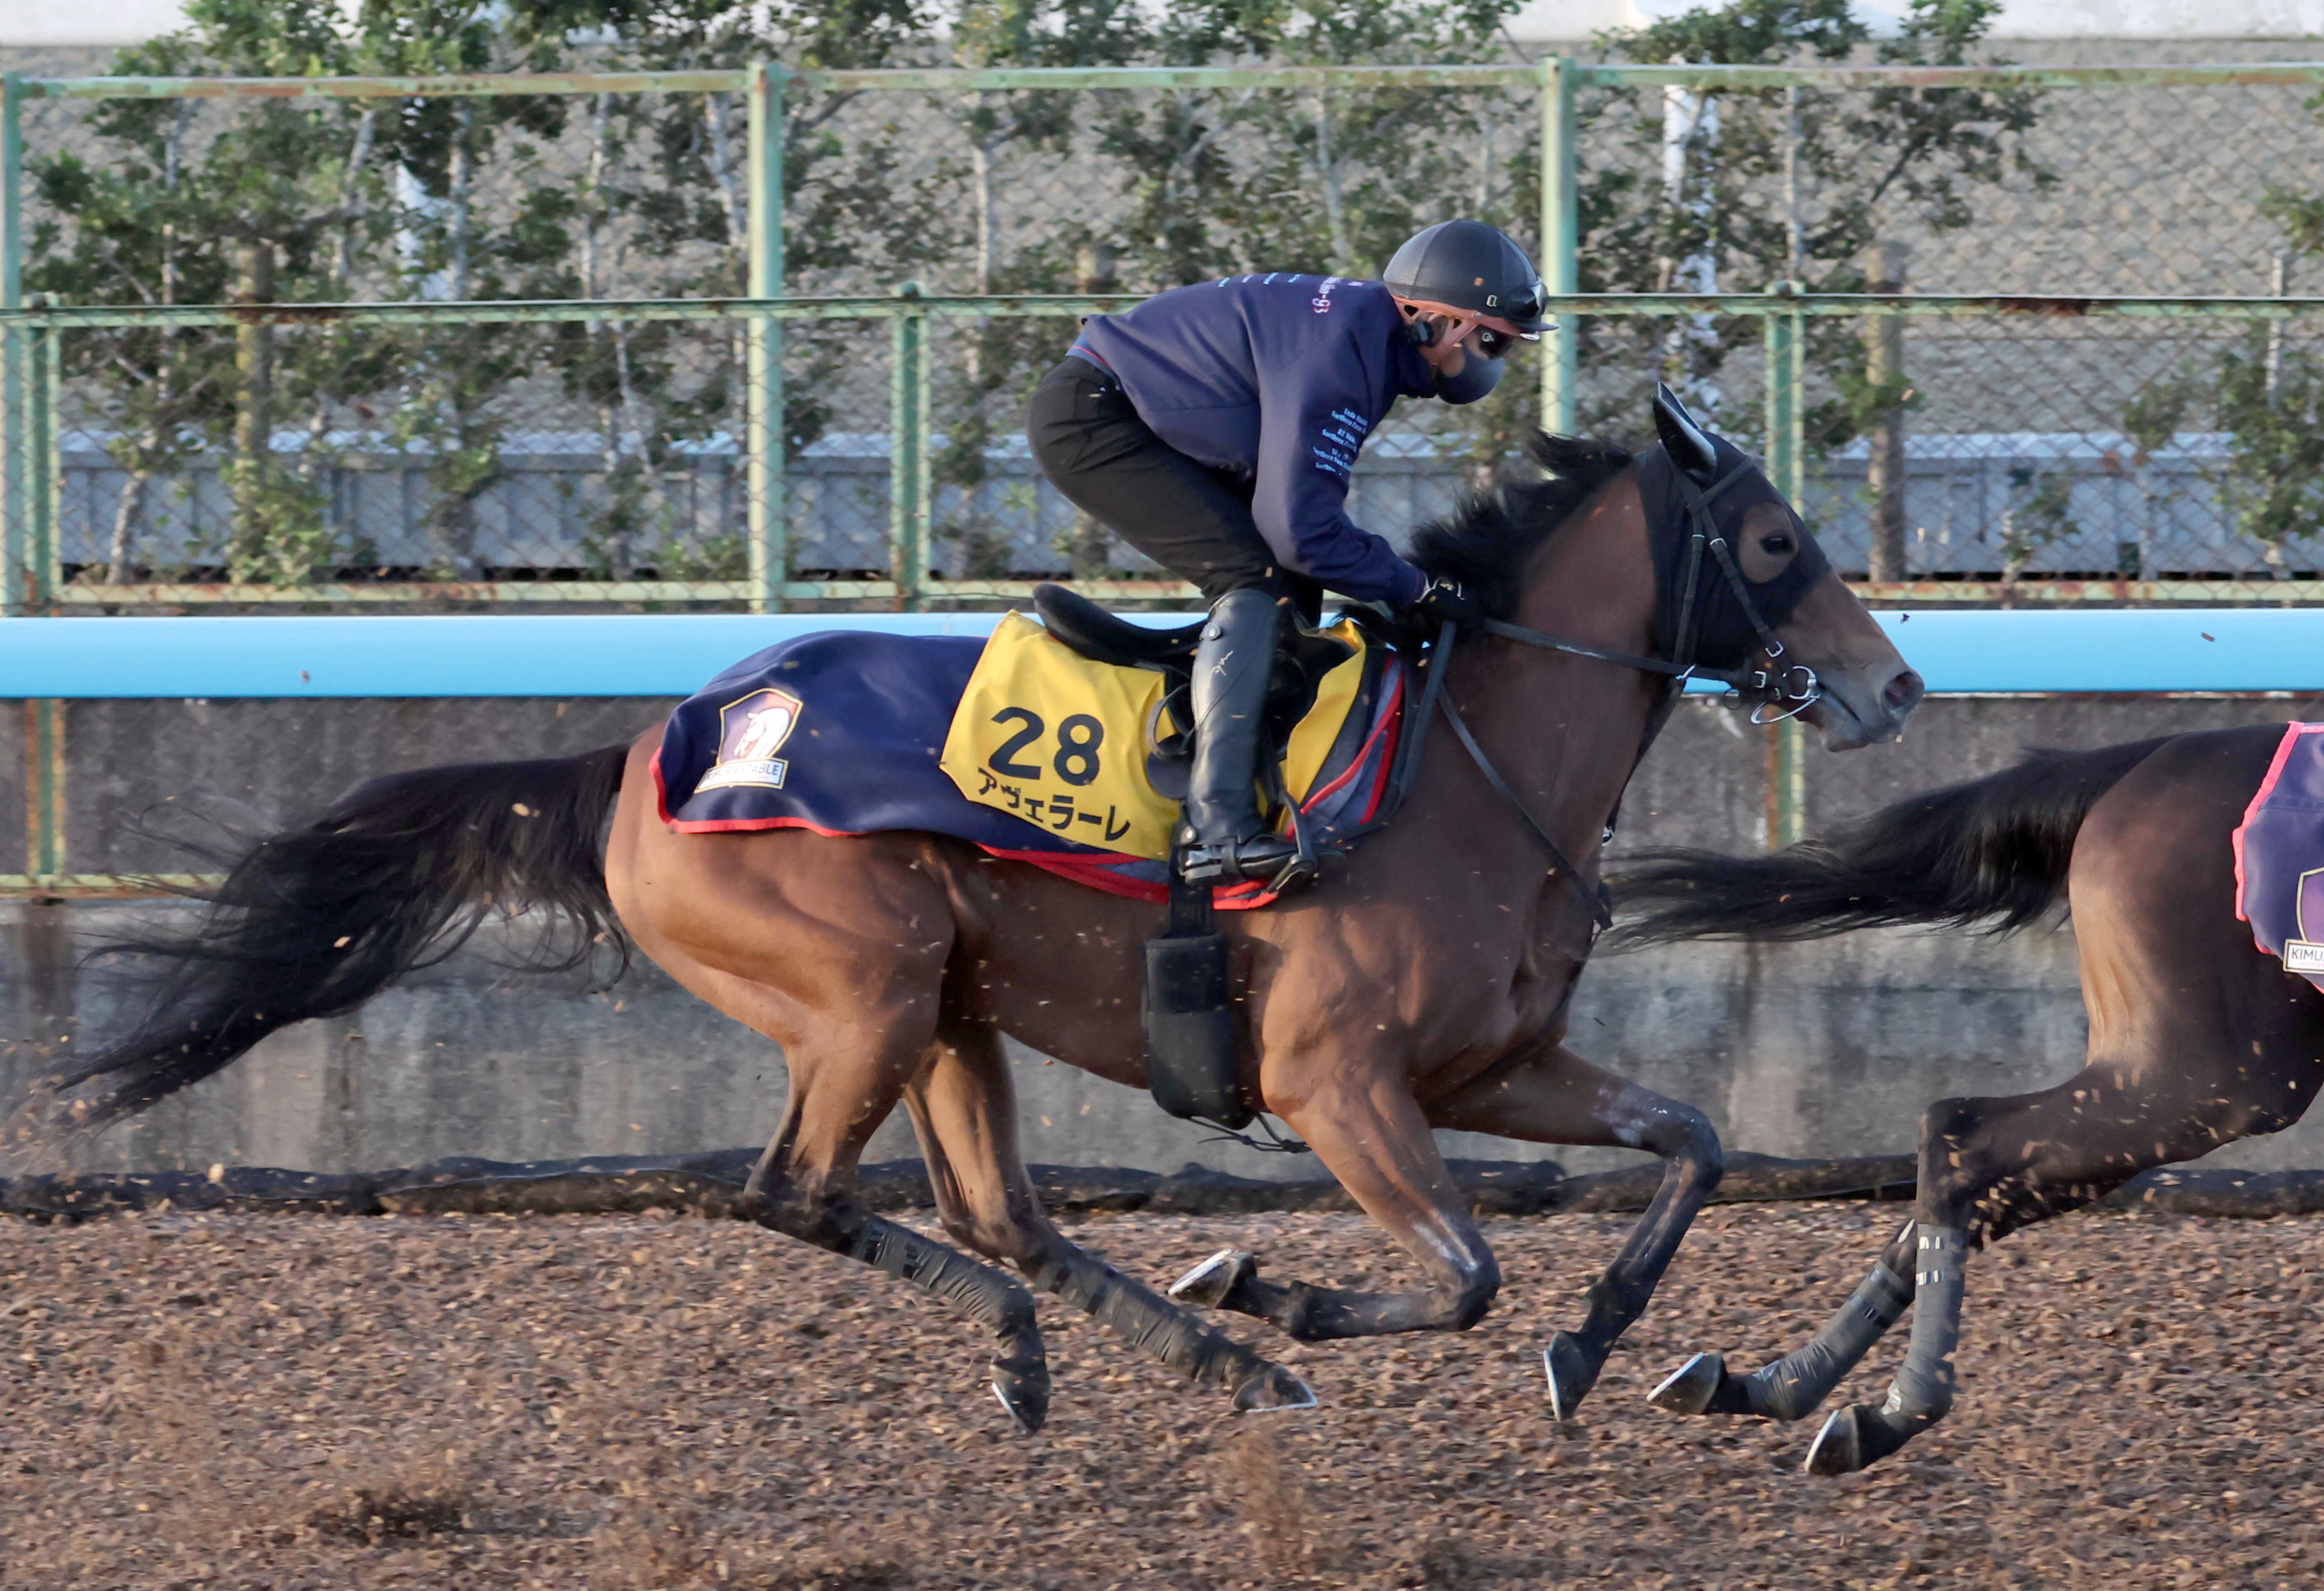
(1301, 658)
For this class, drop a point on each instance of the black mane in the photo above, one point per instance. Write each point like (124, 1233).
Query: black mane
(1485, 547)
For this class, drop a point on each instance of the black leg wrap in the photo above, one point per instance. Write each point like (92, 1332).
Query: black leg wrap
(1020, 1369)
(1791, 1387)
(1149, 1323)
(1923, 1392)
(1923, 1389)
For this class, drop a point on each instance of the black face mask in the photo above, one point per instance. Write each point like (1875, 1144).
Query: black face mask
(1727, 489)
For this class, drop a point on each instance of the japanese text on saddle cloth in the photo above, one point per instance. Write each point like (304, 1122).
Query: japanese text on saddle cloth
(1055, 739)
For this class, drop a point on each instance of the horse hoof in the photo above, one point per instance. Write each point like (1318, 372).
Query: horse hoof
(1274, 1391)
(1570, 1372)
(1211, 1282)
(1839, 1447)
(1024, 1392)
(1690, 1388)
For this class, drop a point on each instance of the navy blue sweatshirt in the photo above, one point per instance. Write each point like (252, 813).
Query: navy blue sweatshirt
(1281, 377)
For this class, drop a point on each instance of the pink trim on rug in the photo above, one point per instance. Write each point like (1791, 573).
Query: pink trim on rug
(2292, 734)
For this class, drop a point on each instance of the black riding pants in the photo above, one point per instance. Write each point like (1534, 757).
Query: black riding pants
(1193, 520)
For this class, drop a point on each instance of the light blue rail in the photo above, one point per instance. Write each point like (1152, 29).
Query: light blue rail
(1958, 652)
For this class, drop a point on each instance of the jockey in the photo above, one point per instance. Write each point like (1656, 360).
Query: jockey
(1213, 428)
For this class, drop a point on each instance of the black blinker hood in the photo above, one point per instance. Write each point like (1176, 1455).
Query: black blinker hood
(1724, 635)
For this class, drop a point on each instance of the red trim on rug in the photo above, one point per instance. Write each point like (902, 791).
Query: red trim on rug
(1388, 720)
(755, 826)
(1095, 873)
(661, 791)
(2292, 734)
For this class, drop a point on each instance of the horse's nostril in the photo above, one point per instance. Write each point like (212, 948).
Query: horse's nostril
(1904, 692)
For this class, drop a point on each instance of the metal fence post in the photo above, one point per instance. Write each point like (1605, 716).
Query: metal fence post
(1787, 783)
(44, 804)
(42, 479)
(1561, 242)
(14, 390)
(763, 439)
(28, 492)
(1787, 350)
(909, 514)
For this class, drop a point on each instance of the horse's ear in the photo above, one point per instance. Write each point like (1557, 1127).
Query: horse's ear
(1688, 444)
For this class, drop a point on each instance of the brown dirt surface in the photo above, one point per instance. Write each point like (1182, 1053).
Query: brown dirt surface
(634, 1403)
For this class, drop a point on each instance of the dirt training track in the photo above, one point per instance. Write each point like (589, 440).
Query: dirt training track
(633, 1403)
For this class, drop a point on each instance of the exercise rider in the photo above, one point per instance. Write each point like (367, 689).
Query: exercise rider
(1213, 428)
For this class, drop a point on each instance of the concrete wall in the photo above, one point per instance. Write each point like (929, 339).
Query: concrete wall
(1823, 1049)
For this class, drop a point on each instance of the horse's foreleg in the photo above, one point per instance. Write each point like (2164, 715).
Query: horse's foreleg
(1990, 1167)
(1791, 1387)
(964, 1106)
(1558, 1097)
(1373, 1138)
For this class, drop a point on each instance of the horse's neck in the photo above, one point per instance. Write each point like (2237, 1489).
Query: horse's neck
(1566, 730)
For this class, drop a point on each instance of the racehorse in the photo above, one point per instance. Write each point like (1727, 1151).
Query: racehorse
(2196, 1039)
(1423, 984)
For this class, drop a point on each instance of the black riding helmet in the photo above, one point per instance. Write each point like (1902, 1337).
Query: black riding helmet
(1471, 269)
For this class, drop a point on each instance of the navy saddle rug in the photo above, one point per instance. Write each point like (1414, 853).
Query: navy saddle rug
(842, 732)
(2280, 855)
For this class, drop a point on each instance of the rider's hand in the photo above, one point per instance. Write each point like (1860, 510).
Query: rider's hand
(1444, 598)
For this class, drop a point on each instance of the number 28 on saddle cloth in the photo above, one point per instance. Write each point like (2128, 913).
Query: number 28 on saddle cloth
(1019, 745)
(1050, 736)
(2280, 855)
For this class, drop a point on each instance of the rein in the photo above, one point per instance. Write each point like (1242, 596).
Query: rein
(1788, 691)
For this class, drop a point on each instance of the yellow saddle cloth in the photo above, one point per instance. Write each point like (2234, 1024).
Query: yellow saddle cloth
(1059, 739)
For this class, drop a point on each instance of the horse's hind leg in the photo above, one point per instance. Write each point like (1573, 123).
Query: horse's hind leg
(835, 949)
(1990, 1167)
(1558, 1097)
(803, 1186)
(964, 1106)
(1791, 1387)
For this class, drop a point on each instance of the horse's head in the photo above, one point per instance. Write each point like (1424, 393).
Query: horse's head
(1741, 586)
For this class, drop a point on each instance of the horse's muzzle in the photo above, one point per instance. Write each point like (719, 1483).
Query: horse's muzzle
(1863, 707)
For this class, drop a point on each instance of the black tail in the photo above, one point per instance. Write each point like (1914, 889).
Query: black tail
(1995, 848)
(315, 920)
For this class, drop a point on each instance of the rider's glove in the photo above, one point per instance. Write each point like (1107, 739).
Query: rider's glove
(1443, 598)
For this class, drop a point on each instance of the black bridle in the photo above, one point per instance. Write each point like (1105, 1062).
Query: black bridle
(1779, 690)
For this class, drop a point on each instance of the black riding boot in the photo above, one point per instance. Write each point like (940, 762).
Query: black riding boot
(1224, 839)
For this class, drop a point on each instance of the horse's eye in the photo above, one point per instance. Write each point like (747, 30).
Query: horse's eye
(1776, 545)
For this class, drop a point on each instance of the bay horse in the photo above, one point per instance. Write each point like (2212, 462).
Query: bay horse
(2196, 1037)
(1423, 984)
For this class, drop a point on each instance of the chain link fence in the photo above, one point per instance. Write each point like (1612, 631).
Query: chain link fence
(2027, 452)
